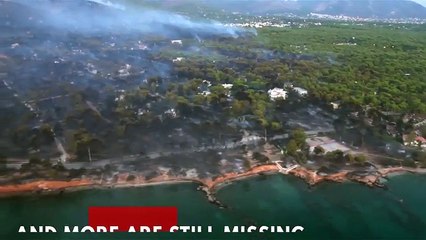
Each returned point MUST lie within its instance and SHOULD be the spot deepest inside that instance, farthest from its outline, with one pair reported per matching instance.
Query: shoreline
(44, 187)
(209, 186)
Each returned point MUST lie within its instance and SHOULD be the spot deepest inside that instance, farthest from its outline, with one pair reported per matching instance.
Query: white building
(301, 91)
(171, 113)
(328, 144)
(178, 59)
(227, 85)
(277, 93)
(205, 93)
(124, 70)
(335, 105)
(178, 42)
(207, 82)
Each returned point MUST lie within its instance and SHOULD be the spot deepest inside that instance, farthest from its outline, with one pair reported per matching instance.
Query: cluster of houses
(414, 140)
(280, 93)
(259, 24)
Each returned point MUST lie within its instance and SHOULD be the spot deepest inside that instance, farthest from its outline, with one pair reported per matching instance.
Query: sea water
(326, 211)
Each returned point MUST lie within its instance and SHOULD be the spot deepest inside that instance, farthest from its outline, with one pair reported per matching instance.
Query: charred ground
(153, 92)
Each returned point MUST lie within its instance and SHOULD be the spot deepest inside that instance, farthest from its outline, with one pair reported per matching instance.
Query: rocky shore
(209, 186)
(43, 186)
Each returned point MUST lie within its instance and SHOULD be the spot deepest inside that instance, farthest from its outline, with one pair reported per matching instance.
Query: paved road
(47, 98)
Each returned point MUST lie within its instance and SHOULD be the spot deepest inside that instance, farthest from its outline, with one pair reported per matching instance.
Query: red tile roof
(420, 139)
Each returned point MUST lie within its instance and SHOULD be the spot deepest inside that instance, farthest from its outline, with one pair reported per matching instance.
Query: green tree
(83, 141)
(199, 99)
(46, 134)
(411, 137)
(300, 157)
(276, 126)
(292, 148)
(131, 178)
(183, 106)
(247, 164)
(420, 156)
(337, 156)
(299, 136)
(423, 130)
(318, 150)
(239, 107)
(360, 158)
(349, 158)
(3, 161)
(35, 160)
(260, 157)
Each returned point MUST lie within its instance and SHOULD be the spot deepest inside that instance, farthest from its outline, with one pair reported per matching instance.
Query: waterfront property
(328, 144)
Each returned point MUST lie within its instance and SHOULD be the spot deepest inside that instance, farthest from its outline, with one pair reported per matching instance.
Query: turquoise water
(327, 211)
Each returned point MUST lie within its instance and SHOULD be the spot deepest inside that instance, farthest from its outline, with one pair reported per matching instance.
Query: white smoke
(94, 16)
(109, 4)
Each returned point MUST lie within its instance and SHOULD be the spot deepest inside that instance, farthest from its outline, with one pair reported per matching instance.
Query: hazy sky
(423, 2)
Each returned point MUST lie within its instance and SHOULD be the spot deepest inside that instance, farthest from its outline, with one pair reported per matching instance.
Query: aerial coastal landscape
(115, 95)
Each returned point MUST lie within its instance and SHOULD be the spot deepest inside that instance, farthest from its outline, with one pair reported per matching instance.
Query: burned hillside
(120, 83)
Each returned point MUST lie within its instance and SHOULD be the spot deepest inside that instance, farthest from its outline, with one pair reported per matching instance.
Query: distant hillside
(352, 8)
(99, 17)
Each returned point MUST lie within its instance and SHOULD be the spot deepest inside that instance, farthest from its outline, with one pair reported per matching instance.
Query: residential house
(178, 59)
(176, 41)
(277, 93)
(301, 91)
(328, 144)
(413, 140)
(335, 105)
(421, 141)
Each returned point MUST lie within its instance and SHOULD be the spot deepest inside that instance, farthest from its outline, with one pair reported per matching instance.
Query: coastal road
(248, 140)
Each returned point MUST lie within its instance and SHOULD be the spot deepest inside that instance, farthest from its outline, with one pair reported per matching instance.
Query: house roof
(420, 139)
(327, 144)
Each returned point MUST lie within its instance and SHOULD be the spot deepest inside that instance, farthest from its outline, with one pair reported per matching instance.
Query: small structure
(414, 140)
(277, 93)
(409, 139)
(227, 85)
(285, 170)
(142, 46)
(328, 144)
(178, 59)
(171, 113)
(119, 98)
(301, 91)
(421, 141)
(207, 83)
(335, 105)
(420, 123)
(142, 111)
(176, 41)
(205, 93)
(250, 139)
(392, 129)
(124, 71)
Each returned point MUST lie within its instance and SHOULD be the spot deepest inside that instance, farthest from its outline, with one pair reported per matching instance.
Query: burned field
(179, 95)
